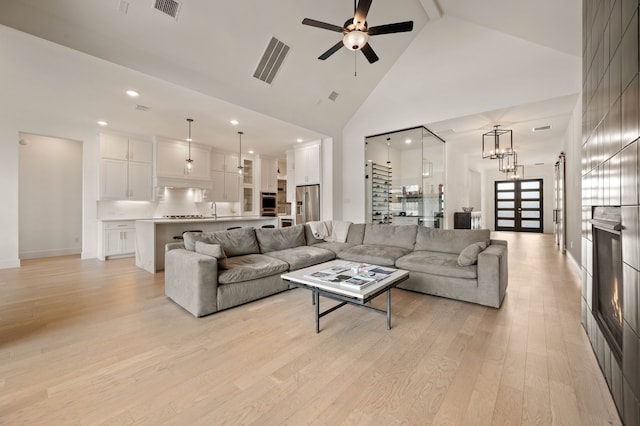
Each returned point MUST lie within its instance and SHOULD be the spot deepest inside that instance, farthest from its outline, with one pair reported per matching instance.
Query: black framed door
(519, 205)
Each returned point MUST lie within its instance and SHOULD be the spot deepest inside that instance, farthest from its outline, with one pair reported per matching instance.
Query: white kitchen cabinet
(117, 147)
(140, 181)
(225, 187)
(224, 162)
(291, 178)
(171, 160)
(119, 238)
(114, 182)
(268, 175)
(114, 147)
(125, 168)
(307, 165)
(125, 180)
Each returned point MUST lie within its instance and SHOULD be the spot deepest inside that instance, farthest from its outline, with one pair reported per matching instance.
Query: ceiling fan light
(355, 40)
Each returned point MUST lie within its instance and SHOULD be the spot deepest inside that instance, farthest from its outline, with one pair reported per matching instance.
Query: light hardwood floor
(90, 342)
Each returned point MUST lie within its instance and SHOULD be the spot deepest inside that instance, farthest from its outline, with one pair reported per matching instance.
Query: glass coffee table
(348, 282)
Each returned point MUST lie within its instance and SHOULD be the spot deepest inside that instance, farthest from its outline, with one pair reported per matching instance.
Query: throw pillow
(213, 250)
(469, 255)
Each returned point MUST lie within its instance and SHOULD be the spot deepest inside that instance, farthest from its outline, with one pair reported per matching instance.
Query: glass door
(518, 205)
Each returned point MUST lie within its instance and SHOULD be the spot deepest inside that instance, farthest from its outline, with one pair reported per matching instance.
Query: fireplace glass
(607, 287)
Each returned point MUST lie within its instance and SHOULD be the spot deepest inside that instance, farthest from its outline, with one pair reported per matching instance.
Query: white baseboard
(88, 255)
(6, 264)
(48, 253)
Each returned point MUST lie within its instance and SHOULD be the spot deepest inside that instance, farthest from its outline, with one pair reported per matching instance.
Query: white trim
(49, 253)
(6, 264)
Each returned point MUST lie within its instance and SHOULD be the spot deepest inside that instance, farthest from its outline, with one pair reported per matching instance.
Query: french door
(518, 205)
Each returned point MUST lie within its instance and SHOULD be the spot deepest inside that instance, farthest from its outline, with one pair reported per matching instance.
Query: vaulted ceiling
(207, 56)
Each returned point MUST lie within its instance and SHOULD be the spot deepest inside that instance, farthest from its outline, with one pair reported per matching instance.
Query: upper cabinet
(125, 168)
(224, 162)
(268, 175)
(307, 164)
(171, 160)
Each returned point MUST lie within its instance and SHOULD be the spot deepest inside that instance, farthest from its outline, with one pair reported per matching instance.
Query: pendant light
(189, 161)
(240, 154)
(497, 143)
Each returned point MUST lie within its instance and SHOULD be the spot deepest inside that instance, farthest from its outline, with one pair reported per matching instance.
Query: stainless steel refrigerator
(307, 203)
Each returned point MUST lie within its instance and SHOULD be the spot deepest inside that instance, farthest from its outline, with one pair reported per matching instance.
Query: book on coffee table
(358, 282)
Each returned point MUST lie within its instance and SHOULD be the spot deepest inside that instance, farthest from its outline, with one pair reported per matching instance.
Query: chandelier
(497, 144)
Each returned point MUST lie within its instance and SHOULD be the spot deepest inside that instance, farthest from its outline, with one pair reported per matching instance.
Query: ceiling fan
(356, 32)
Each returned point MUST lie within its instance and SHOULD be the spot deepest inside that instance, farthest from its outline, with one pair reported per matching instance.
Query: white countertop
(208, 219)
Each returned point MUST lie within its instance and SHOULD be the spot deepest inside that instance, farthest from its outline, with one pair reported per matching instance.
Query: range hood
(169, 182)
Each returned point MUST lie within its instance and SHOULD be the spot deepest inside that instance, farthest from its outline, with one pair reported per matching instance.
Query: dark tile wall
(611, 162)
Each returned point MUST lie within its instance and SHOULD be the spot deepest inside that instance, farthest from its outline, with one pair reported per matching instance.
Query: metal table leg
(389, 309)
(316, 295)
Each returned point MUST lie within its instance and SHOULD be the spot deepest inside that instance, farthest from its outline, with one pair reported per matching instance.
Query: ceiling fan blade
(331, 51)
(323, 25)
(361, 13)
(369, 53)
(398, 27)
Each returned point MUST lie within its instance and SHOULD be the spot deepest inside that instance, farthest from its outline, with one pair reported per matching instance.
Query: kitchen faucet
(214, 209)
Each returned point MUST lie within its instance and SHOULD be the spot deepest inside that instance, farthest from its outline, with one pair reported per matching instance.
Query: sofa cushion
(213, 250)
(303, 256)
(236, 242)
(435, 263)
(403, 236)
(334, 247)
(449, 240)
(356, 233)
(374, 254)
(250, 267)
(308, 235)
(469, 255)
(280, 238)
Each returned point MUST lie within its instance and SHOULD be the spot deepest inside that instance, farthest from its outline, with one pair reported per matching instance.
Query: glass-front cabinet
(404, 174)
(247, 185)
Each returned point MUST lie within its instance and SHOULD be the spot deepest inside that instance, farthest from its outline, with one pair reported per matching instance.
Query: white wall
(573, 212)
(50, 196)
(456, 190)
(26, 106)
(457, 78)
(544, 172)
(474, 184)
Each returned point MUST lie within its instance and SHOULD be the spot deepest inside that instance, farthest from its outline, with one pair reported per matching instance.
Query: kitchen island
(153, 234)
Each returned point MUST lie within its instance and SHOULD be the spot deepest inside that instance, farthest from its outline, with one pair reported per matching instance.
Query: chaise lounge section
(212, 271)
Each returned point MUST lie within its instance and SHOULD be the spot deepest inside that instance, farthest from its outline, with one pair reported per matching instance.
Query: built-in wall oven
(268, 203)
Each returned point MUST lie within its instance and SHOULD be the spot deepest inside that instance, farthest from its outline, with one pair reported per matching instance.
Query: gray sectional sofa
(212, 271)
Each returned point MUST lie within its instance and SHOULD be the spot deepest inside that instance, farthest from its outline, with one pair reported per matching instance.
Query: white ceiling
(201, 64)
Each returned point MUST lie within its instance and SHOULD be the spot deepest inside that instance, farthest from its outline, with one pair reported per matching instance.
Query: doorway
(50, 196)
(519, 205)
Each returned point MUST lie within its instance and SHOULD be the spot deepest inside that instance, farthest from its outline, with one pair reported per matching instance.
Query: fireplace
(607, 276)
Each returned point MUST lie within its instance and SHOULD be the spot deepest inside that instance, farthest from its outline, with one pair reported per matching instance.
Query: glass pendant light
(189, 161)
(240, 154)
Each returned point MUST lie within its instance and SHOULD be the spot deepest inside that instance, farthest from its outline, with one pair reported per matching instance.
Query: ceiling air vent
(168, 7)
(539, 129)
(142, 108)
(271, 60)
(333, 96)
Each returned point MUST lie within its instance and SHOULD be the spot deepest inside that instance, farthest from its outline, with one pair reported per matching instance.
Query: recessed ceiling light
(133, 93)
(408, 141)
(250, 151)
(235, 122)
(102, 123)
(299, 140)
